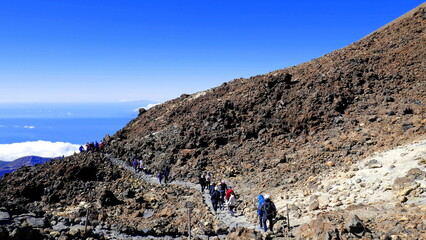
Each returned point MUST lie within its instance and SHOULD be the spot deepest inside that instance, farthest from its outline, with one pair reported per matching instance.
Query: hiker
(141, 165)
(96, 146)
(101, 145)
(160, 176)
(215, 198)
(87, 147)
(231, 204)
(81, 148)
(166, 173)
(222, 197)
(135, 164)
(260, 201)
(228, 193)
(202, 182)
(211, 189)
(269, 212)
(223, 185)
(208, 178)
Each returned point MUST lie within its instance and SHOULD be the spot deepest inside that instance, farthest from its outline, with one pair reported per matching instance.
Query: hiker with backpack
(166, 173)
(269, 212)
(215, 198)
(135, 164)
(160, 176)
(211, 189)
(222, 197)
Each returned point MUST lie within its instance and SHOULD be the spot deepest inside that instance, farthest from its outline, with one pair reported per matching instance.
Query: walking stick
(288, 220)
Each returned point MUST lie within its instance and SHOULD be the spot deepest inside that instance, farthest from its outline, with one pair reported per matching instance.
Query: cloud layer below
(10, 152)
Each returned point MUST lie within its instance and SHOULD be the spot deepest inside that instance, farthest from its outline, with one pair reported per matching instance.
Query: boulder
(108, 198)
(37, 222)
(403, 186)
(244, 234)
(373, 163)
(26, 233)
(355, 225)
(4, 234)
(4, 218)
(60, 227)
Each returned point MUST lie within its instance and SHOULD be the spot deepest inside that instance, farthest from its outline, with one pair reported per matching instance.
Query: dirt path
(236, 221)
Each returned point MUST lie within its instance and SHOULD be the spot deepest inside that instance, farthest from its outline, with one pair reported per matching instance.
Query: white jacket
(231, 201)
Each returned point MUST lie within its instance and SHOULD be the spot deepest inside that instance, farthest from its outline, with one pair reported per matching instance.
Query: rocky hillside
(340, 107)
(301, 134)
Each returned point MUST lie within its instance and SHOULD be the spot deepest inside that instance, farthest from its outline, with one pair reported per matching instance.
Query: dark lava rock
(109, 199)
(4, 234)
(356, 226)
(26, 233)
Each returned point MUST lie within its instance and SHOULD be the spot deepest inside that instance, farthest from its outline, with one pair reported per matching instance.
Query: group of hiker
(163, 174)
(92, 146)
(221, 195)
(138, 165)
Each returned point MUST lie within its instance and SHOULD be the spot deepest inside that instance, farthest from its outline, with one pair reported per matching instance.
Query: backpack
(215, 196)
(269, 209)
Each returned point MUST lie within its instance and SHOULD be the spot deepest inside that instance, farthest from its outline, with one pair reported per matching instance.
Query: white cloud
(147, 107)
(29, 127)
(10, 152)
(152, 105)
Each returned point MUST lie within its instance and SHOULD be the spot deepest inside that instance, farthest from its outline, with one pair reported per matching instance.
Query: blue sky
(110, 51)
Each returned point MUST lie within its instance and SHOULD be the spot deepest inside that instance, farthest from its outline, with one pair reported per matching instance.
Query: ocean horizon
(69, 123)
(72, 130)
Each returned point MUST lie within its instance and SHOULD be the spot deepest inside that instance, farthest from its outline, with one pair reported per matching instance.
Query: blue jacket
(259, 204)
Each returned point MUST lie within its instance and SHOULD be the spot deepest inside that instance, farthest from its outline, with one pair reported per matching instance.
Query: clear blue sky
(103, 51)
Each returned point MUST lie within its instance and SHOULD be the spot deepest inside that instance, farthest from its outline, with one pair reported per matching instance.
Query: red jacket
(228, 193)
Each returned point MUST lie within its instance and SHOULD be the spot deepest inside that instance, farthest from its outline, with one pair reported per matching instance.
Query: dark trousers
(214, 203)
(271, 223)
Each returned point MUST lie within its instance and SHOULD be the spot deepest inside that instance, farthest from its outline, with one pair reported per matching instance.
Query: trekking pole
(189, 224)
(288, 220)
(189, 206)
(87, 220)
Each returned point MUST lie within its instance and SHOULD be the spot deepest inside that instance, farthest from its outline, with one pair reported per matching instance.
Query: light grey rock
(5, 217)
(36, 222)
(373, 163)
(60, 227)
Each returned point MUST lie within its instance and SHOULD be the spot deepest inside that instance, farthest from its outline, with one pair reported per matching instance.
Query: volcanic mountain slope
(340, 107)
(279, 132)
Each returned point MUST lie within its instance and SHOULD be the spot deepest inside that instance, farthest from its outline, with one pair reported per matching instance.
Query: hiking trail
(233, 222)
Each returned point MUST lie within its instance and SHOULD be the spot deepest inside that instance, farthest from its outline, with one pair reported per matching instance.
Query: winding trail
(233, 222)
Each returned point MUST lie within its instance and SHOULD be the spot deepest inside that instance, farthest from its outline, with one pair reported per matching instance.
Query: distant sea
(75, 123)
(73, 130)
